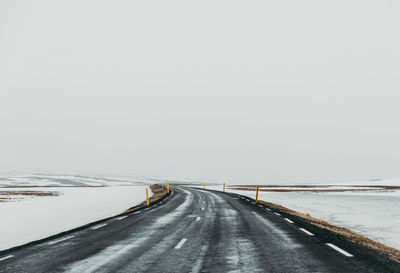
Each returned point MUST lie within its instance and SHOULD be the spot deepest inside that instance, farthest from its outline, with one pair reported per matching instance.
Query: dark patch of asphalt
(191, 230)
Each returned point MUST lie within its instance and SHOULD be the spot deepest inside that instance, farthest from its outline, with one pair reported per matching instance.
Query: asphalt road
(191, 231)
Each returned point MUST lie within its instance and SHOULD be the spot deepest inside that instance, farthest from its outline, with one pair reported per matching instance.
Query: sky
(253, 91)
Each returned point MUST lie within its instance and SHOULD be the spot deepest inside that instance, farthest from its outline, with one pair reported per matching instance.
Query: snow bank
(39, 217)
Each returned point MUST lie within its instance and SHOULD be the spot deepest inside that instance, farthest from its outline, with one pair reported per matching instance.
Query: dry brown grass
(25, 193)
(305, 190)
(312, 188)
(159, 191)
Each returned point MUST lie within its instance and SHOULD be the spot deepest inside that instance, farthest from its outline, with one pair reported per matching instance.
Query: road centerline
(181, 243)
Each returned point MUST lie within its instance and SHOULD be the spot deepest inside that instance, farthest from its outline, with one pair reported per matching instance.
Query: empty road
(191, 231)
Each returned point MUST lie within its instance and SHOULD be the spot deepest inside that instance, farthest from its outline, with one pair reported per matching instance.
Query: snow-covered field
(62, 180)
(29, 218)
(374, 214)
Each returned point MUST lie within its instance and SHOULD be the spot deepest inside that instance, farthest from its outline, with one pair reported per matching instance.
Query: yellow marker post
(167, 188)
(257, 195)
(204, 185)
(224, 187)
(147, 197)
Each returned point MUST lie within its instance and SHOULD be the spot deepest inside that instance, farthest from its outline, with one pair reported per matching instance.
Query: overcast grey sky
(247, 91)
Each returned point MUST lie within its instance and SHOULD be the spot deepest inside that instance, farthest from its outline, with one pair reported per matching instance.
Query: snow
(62, 180)
(35, 218)
(373, 182)
(320, 188)
(374, 214)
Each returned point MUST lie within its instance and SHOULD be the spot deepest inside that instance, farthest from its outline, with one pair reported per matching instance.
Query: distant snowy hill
(61, 180)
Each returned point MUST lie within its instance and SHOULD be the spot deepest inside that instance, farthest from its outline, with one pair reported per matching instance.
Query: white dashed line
(202, 208)
(147, 209)
(268, 209)
(137, 212)
(338, 249)
(180, 244)
(277, 213)
(290, 221)
(99, 226)
(60, 240)
(198, 219)
(122, 217)
(260, 206)
(6, 257)
(306, 231)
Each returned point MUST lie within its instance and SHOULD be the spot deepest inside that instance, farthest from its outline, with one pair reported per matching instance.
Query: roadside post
(147, 196)
(224, 188)
(257, 195)
(167, 188)
(204, 185)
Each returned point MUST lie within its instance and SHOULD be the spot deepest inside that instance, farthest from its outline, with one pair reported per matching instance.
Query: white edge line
(122, 217)
(180, 244)
(99, 226)
(338, 249)
(290, 221)
(62, 239)
(277, 213)
(306, 231)
(6, 257)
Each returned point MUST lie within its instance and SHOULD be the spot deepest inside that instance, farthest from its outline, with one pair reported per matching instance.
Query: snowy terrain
(28, 218)
(61, 180)
(374, 214)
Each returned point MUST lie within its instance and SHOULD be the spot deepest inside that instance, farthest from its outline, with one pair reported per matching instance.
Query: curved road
(191, 231)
